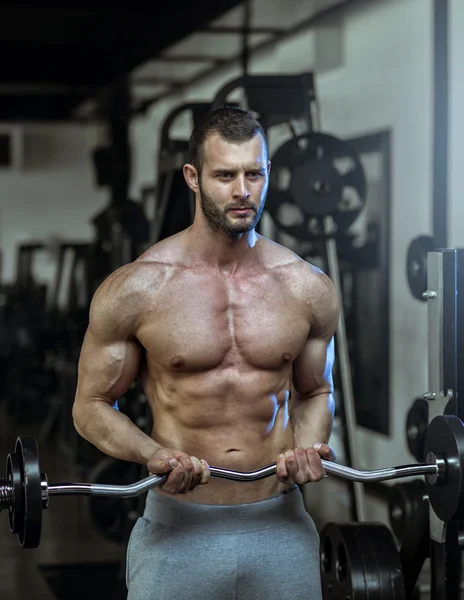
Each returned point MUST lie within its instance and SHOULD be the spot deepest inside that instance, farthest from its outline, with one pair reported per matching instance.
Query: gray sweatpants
(267, 550)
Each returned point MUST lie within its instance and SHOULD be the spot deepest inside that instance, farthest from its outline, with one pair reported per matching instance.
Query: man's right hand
(185, 472)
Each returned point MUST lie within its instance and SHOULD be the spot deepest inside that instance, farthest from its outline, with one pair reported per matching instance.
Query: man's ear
(191, 177)
(268, 167)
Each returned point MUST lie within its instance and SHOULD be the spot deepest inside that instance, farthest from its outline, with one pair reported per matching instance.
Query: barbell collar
(6, 494)
(135, 489)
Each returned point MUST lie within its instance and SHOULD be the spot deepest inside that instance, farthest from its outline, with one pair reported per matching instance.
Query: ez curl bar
(25, 492)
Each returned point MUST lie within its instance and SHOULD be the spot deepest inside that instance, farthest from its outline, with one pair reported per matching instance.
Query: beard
(219, 218)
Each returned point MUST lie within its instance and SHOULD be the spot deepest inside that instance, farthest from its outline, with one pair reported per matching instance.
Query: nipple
(177, 361)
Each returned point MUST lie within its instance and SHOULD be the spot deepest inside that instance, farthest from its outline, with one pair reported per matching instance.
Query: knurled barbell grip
(331, 468)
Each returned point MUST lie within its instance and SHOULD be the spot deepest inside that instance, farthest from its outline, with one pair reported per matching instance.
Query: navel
(177, 361)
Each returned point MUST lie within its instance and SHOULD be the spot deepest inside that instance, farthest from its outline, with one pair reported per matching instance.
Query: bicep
(107, 368)
(312, 370)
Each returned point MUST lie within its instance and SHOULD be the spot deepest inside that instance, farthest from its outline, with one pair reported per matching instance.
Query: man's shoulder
(276, 256)
(293, 266)
(132, 278)
(146, 273)
(127, 293)
(307, 282)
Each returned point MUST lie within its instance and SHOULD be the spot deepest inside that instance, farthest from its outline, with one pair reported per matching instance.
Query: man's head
(229, 169)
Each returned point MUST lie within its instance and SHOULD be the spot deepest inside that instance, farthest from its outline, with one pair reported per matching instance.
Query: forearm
(312, 419)
(113, 432)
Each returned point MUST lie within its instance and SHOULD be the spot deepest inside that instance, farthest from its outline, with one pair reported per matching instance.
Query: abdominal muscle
(239, 431)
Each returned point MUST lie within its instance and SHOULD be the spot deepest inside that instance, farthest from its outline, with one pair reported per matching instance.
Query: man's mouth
(241, 210)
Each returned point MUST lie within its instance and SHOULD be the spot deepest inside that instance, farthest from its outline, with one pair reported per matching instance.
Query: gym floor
(68, 537)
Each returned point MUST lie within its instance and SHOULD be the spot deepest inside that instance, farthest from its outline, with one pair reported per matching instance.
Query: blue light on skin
(276, 408)
(116, 406)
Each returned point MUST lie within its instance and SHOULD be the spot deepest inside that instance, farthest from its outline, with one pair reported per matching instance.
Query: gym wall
(378, 77)
(456, 129)
(53, 193)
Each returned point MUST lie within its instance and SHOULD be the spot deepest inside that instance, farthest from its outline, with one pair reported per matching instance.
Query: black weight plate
(416, 264)
(403, 500)
(30, 528)
(15, 480)
(317, 188)
(310, 175)
(445, 438)
(417, 421)
(380, 563)
(360, 561)
(110, 515)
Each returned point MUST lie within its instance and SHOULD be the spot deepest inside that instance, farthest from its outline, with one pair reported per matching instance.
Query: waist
(220, 519)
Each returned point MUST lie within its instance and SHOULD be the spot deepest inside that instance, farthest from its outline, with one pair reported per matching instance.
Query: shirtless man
(231, 336)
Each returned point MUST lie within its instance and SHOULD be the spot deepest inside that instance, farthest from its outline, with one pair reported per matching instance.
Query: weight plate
(416, 427)
(445, 438)
(312, 176)
(15, 480)
(30, 527)
(416, 264)
(360, 561)
(403, 500)
(111, 514)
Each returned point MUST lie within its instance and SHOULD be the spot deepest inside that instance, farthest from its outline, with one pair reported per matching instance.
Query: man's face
(233, 183)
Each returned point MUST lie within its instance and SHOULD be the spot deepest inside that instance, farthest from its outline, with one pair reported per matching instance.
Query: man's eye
(254, 175)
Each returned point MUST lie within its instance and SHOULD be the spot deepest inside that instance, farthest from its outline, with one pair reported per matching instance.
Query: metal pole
(442, 266)
(245, 58)
(345, 370)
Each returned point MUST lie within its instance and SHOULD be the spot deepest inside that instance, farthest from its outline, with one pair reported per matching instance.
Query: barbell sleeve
(100, 489)
(331, 468)
(379, 474)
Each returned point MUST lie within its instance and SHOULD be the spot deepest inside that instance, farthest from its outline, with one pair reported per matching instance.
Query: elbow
(78, 418)
(78, 430)
(79, 423)
(75, 419)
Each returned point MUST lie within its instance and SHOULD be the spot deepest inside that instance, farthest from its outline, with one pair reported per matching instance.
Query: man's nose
(240, 189)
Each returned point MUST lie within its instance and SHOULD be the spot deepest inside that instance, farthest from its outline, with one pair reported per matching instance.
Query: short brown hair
(231, 122)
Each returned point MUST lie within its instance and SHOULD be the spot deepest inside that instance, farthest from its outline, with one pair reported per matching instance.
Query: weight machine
(174, 208)
(357, 559)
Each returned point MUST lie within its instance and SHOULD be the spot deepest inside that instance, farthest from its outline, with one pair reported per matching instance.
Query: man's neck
(216, 249)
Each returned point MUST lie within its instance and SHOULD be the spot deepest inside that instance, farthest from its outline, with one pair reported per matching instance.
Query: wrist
(149, 451)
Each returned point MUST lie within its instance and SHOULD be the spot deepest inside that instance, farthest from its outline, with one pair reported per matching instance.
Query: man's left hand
(302, 465)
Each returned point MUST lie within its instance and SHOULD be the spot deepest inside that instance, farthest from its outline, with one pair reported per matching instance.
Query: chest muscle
(206, 324)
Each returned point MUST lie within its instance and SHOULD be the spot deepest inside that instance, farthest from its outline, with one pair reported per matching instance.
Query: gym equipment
(416, 265)
(25, 492)
(403, 500)
(444, 439)
(26, 382)
(122, 228)
(416, 427)
(430, 534)
(275, 98)
(112, 515)
(315, 175)
(442, 470)
(360, 561)
(174, 208)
